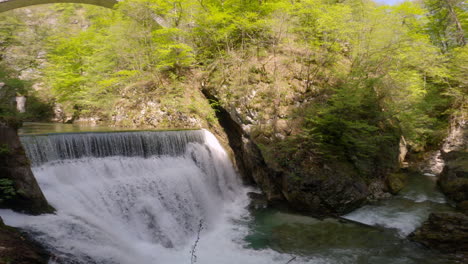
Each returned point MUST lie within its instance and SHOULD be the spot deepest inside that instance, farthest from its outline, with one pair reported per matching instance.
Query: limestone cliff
(319, 188)
(453, 179)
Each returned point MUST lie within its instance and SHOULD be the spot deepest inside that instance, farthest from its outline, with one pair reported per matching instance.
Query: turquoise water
(374, 234)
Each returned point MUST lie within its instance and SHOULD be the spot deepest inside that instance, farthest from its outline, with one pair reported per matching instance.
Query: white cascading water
(138, 198)
(406, 211)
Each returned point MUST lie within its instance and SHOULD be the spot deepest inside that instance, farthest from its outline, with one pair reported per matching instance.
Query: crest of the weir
(50, 147)
(6, 5)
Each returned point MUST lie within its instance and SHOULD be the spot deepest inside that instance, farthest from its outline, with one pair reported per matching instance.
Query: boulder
(257, 201)
(322, 191)
(446, 232)
(396, 182)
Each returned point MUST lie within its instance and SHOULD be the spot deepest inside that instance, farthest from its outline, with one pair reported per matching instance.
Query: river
(174, 197)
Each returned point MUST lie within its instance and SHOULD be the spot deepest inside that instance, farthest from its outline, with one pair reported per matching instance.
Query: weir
(49, 147)
(139, 197)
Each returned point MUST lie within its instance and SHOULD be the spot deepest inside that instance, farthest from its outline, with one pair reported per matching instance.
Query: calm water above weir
(30, 128)
(139, 197)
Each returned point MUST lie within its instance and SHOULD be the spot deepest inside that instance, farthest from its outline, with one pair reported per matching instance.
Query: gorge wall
(20, 190)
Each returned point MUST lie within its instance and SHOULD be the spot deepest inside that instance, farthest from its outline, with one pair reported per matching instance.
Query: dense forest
(320, 77)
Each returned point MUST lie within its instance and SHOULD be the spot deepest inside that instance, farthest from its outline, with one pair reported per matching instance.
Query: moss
(4, 150)
(456, 188)
(396, 182)
(11, 121)
(7, 190)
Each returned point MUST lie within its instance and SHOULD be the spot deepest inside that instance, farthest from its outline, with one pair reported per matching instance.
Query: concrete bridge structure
(6, 5)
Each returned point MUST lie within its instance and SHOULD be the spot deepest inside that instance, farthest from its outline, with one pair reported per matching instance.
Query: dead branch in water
(291, 260)
(193, 256)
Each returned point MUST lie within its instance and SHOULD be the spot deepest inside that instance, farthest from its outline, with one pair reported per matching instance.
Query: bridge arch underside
(6, 5)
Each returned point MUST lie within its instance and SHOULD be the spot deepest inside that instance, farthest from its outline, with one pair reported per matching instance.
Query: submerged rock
(446, 232)
(20, 190)
(257, 201)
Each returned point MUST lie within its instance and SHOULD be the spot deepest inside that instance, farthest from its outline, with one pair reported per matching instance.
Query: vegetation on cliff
(313, 82)
(389, 62)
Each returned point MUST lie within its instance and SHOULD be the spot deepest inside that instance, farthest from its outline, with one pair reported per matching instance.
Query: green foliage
(369, 70)
(7, 190)
(448, 23)
(4, 150)
(221, 28)
(349, 125)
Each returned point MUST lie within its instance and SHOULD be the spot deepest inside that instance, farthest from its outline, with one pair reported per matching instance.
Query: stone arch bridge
(6, 5)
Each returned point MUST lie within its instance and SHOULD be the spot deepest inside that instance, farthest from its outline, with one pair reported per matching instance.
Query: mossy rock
(456, 189)
(454, 177)
(446, 232)
(396, 182)
(10, 121)
(463, 207)
(17, 248)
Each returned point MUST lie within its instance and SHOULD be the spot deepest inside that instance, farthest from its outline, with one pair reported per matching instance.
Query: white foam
(403, 221)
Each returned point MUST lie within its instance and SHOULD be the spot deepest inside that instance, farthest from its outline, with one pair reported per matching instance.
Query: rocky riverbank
(453, 179)
(448, 232)
(16, 248)
(18, 191)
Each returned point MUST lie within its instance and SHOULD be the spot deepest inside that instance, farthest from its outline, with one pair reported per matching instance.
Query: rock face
(331, 188)
(248, 157)
(446, 232)
(454, 177)
(457, 139)
(15, 248)
(21, 104)
(20, 190)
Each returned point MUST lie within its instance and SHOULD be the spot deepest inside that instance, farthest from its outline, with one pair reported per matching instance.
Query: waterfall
(138, 197)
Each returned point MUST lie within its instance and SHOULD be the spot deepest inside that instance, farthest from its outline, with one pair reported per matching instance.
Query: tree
(448, 22)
